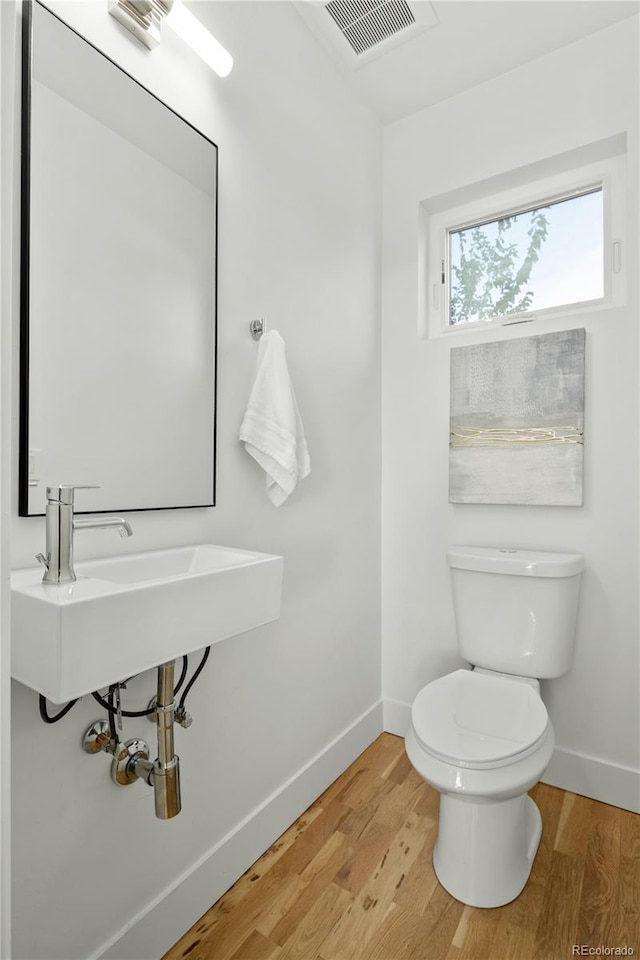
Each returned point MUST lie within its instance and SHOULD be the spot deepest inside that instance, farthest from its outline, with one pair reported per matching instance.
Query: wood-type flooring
(352, 879)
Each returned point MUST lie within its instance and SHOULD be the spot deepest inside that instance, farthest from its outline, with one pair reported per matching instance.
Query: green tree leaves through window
(491, 265)
(533, 259)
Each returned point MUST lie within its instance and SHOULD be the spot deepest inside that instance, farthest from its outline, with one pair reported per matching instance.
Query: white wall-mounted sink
(127, 614)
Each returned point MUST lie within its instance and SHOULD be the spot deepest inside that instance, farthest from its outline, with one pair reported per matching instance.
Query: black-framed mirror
(118, 284)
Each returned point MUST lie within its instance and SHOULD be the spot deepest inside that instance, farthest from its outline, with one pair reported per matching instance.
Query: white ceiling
(473, 41)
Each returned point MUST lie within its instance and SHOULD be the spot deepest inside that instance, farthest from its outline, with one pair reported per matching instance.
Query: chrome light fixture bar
(143, 18)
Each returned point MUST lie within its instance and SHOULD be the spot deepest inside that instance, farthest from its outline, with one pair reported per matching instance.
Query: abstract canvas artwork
(517, 421)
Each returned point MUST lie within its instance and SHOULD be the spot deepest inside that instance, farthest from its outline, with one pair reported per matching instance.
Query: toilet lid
(471, 719)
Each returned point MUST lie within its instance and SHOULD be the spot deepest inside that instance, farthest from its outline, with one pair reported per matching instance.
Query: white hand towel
(272, 430)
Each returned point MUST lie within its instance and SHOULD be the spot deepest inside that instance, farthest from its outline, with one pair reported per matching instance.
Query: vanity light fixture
(143, 18)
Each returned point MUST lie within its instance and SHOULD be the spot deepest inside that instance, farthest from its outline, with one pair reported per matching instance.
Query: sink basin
(165, 564)
(130, 613)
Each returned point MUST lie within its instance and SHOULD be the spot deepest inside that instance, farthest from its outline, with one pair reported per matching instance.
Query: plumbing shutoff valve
(130, 762)
(183, 718)
(125, 766)
(98, 738)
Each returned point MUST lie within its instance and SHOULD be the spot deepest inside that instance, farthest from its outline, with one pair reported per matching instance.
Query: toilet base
(485, 849)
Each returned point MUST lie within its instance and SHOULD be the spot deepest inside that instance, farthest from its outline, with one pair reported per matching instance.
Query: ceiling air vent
(366, 23)
(361, 30)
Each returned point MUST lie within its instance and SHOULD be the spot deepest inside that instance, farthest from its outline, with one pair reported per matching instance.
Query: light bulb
(199, 39)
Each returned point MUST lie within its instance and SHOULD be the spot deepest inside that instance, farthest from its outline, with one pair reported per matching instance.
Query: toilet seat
(478, 721)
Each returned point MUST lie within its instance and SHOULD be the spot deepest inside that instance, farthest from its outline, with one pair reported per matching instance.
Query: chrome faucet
(60, 524)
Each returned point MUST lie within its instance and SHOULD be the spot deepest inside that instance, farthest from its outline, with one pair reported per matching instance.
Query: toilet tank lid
(521, 563)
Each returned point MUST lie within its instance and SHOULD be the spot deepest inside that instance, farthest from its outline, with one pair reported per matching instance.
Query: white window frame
(608, 174)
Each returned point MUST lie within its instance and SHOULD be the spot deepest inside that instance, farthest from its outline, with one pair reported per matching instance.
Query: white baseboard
(163, 921)
(396, 716)
(576, 772)
(595, 778)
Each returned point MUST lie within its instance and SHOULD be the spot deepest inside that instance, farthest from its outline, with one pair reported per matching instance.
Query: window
(530, 260)
(551, 246)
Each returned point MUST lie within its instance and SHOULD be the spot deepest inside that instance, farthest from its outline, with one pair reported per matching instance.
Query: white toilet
(482, 737)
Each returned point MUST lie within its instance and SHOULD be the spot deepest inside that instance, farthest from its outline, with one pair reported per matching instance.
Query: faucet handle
(63, 492)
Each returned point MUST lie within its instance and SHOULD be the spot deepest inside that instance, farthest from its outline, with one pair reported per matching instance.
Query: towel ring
(257, 328)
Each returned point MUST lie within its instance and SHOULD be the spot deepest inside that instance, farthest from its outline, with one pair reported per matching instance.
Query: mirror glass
(118, 297)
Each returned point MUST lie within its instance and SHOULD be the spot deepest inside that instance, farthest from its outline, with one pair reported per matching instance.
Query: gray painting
(517, 421)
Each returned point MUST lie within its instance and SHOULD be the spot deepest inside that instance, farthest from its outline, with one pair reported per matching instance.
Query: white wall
(583, 93)
(9, 113)
(299, 228)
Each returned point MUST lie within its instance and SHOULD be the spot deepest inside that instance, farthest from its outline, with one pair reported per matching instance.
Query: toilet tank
(516, 610)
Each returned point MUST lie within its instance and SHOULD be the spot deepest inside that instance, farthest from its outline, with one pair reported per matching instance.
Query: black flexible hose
(195, 676)
(112, 720)
(109, 706)
(49, 719)
(183, 673)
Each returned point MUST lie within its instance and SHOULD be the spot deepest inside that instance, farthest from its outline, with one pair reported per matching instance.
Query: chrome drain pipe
(166, 769)
(131, 759)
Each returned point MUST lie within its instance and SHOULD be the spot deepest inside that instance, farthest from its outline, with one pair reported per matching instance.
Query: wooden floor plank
(597, 919)
(231, 920)
(396, 805)
(512, 942)
(578, 817)
(476, 932)
(374, 763)
(395, 936)
(356, 821)
(357, 926)
(313, 929)
(256, 947)
(364, 855)
(245, 884)
(400, 769)
(437, 927)
(558, 923)
(420, 882)
(626, 906)
(353, 879)
(628, 891)
(291, 891)
(316, 876)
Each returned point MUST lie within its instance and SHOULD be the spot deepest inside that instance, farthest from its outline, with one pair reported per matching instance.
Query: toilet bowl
(482, 736)
(482, 740)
